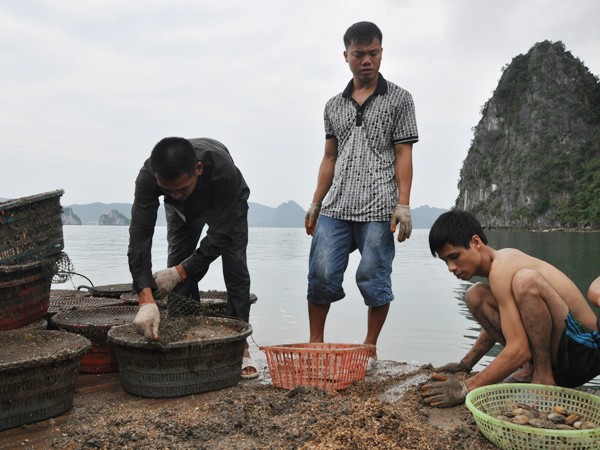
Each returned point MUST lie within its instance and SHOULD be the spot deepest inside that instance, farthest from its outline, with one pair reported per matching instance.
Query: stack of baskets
(37, 366)
(31, 242)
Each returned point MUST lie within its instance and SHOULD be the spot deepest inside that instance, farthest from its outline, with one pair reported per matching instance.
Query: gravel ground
(383, 411)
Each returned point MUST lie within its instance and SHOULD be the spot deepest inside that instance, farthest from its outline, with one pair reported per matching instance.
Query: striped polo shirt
(364, 185)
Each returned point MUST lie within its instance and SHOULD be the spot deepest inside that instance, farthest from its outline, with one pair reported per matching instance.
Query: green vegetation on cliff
(534, 162)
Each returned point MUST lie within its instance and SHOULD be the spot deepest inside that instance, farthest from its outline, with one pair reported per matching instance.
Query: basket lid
(214, 297)
(94, 318)
(26, 267)
(30, 199)
(19, 349)
(68, 300)
(109, 290)
(183, 332)
(41, 324)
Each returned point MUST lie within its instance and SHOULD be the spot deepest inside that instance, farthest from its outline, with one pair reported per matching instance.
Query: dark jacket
(219, 194)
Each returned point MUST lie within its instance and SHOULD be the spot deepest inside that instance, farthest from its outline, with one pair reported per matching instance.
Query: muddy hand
(401, 216)
(446, 391)
(312, 215)
(454, 367)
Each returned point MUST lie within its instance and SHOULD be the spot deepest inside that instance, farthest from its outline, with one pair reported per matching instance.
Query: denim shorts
(332, 243)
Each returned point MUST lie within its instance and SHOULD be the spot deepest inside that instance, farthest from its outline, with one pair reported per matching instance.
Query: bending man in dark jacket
(201, 186)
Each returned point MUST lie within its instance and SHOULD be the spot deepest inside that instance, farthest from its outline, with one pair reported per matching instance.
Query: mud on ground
(383, 411)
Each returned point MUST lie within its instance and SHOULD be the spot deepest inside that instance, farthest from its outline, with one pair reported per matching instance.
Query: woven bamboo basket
(31, 228)
(94, 324)
(178, 365)
(38, 369)
(71, 300)
(24, 293)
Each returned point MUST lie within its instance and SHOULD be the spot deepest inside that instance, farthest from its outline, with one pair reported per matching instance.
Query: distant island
(286, 215)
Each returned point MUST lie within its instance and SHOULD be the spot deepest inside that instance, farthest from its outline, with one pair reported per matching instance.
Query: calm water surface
(428, 321)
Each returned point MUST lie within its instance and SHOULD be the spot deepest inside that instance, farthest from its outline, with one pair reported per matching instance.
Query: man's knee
(594, 292)
(526, 282)
(476, 295)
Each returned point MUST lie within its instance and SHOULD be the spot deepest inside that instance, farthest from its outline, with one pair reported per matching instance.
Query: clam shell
(587, 425)
(520, 420)
(572, 418)
(559, 409)
(539, 422)
(556, 418)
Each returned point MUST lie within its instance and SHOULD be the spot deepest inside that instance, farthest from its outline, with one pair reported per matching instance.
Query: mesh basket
(109, 290)
(24, 293)
(31, 228)
(70, 300)
(325, 365)
(194, 354)
(487, 402)
(211, 303)
(94, 323)
(38, 370)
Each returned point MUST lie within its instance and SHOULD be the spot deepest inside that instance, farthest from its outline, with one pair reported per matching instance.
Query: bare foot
(523, 375)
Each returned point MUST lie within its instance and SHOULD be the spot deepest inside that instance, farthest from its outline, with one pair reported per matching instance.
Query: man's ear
(199, 168)
(476, 242)
(346, 55)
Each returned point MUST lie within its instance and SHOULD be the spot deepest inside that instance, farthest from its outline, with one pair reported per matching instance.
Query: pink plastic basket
(324, 365)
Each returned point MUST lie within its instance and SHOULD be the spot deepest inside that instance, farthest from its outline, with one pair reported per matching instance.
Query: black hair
(456, 228)
(362, 33)
(173, 157)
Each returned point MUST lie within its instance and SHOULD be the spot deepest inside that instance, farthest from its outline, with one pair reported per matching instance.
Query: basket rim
(11, 268)
(22, 201)
(81, 345)
(478, 414)
(325, 347)
(114, 338)
(74, 319)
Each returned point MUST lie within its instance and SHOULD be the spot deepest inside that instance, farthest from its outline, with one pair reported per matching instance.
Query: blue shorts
(332, 243)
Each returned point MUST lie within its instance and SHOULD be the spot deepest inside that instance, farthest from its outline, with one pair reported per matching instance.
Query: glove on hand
(312, 215)
(166, 280)
(454, 367)
(147, 320)
(401, 215)
(449, 391)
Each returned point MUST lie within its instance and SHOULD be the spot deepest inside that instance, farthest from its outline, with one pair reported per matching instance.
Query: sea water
(428, 321)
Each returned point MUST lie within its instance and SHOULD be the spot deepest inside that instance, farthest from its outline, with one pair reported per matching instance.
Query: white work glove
(401, 215)
(312, 215)
(448, 391)
(147, 320)
(166, 280)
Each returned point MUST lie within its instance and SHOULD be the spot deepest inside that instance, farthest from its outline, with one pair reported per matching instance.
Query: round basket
(94, 323)
(487, 402)
(24, 293)
(69, 300)
(109, 290)
(329, 366)
(31, 228)
(38, 370)
(194, 354)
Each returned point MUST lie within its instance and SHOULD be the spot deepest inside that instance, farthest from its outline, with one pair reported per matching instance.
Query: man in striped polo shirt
(363, 186)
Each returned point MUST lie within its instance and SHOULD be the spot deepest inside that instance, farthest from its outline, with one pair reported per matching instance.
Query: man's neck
(362, 90)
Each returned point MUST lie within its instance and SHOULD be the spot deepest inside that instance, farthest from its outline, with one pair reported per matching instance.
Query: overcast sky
(88, 87)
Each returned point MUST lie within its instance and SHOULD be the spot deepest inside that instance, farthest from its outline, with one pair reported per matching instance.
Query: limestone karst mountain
(534, 162)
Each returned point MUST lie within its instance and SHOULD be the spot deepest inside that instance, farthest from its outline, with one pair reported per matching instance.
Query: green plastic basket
(487, 402)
